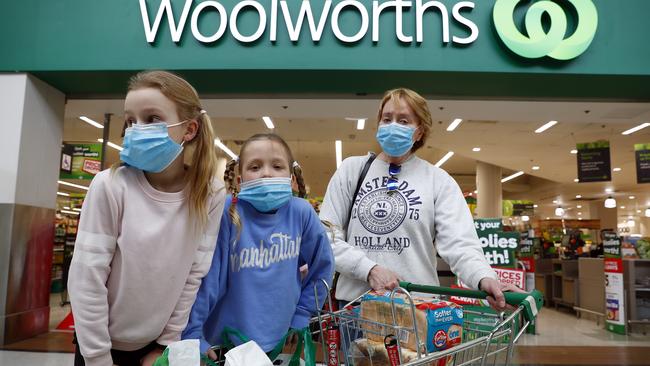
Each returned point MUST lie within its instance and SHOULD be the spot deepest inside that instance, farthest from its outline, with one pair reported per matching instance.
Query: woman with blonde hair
(148, 228)
(393, 214)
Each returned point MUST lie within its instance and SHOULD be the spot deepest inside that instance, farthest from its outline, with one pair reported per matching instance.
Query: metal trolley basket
(489, 339)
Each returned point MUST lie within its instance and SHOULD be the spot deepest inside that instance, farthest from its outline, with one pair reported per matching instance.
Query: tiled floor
(562, 339)
(14, 358)
(561, 328)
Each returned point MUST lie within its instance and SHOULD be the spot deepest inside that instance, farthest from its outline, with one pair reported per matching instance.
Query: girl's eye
(129, 122)
(154, 119)
(404, 122)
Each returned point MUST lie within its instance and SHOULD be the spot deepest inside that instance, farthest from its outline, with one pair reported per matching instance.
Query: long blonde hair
(230, 176)
(203, 158)
(419, 106)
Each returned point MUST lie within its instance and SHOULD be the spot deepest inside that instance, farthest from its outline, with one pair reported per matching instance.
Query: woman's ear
(417, 136)
(191, 131)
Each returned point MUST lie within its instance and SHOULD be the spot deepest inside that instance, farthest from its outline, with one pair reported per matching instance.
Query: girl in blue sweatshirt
(266, 235)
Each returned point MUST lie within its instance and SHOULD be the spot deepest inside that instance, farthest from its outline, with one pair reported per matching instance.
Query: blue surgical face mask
(266, 194)
(395, 139)
(149, 147)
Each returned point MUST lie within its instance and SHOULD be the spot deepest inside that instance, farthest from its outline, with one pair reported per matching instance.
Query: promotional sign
(86, 161)
(498, 246)
(614, 300)
(517, 208)
(642, 154)
(594, 164)
(526, 257)
(512, 276)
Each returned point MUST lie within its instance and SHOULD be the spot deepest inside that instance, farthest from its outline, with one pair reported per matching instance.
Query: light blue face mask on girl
(395, 139)
(149, 147)
(266, 194)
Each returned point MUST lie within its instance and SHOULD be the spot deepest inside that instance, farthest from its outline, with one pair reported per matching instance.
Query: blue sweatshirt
(254, 282)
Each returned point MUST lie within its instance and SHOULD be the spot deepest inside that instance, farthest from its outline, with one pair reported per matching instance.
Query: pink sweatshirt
(136, 266)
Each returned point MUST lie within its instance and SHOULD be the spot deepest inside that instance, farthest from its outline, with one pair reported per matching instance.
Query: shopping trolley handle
(531, 301)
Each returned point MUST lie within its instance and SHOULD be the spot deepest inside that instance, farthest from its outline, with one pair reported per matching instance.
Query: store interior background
(503, 130)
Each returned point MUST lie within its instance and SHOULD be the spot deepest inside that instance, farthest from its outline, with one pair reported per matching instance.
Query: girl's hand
(211, 354)
(151, 357)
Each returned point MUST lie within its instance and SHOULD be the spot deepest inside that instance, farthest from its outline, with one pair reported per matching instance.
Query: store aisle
(561, 328)
(13, 358)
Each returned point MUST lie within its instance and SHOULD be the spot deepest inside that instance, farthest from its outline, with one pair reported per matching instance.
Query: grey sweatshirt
(403, 230)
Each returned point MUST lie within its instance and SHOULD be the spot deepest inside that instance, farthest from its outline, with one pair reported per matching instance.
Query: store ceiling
(504, 130)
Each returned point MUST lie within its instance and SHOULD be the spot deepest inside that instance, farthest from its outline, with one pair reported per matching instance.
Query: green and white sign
(86, 161)
(614, 290)
(538, 42)
(642, 155)
(594, 162)
(498, 246)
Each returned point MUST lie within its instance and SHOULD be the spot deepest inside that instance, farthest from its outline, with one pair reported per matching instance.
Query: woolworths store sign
(538, 38)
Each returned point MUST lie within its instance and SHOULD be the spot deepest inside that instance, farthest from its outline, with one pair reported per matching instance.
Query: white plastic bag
(247, 354)
(184, 353)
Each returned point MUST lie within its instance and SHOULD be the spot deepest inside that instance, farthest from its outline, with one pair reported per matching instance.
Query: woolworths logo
(539, 42)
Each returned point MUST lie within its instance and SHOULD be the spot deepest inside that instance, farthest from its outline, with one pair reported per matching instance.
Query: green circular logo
(540, 43)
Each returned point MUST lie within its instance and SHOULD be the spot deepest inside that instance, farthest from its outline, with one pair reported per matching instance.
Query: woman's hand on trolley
(381, 278)
(495, 289)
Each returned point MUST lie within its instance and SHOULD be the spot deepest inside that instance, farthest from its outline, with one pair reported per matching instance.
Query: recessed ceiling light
(635, 129)
(511, 177)
(631, 197)
(70, 212)
(454, 124)
(91, 122)
(555, 201)
(225, 148)
(616, 169)
(535, 206)
(72, 185)
(579, 213)
(361, 123)
(576, 180)
(623, 207)
(535, 167)
(579, 218)
(578, 196)
(638, 211)
(548, 218)
(444, 159)
(579, 206)
(574, 151)
(476, 191)
(476, 149)
(268, 122)
(608, 190)
(114, 146)
(546, 126)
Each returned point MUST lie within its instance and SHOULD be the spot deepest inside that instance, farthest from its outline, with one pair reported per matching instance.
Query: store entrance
(500, 133)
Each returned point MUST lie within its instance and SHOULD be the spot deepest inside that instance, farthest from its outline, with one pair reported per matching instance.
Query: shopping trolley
(488, 337)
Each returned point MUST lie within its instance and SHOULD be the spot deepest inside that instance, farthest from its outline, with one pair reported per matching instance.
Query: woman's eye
(404, 122)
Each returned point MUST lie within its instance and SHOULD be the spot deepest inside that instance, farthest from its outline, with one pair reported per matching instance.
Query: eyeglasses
(393, 171)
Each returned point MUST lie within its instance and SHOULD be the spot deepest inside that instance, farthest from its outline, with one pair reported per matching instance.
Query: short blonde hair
(419, 106)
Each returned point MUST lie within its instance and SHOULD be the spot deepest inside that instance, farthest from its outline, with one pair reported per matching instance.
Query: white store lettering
(294, 23)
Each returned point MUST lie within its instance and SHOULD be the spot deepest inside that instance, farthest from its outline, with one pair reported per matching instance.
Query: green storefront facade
(446, 48)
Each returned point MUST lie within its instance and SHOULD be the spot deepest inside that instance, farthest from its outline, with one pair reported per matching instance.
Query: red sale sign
(516, 277)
